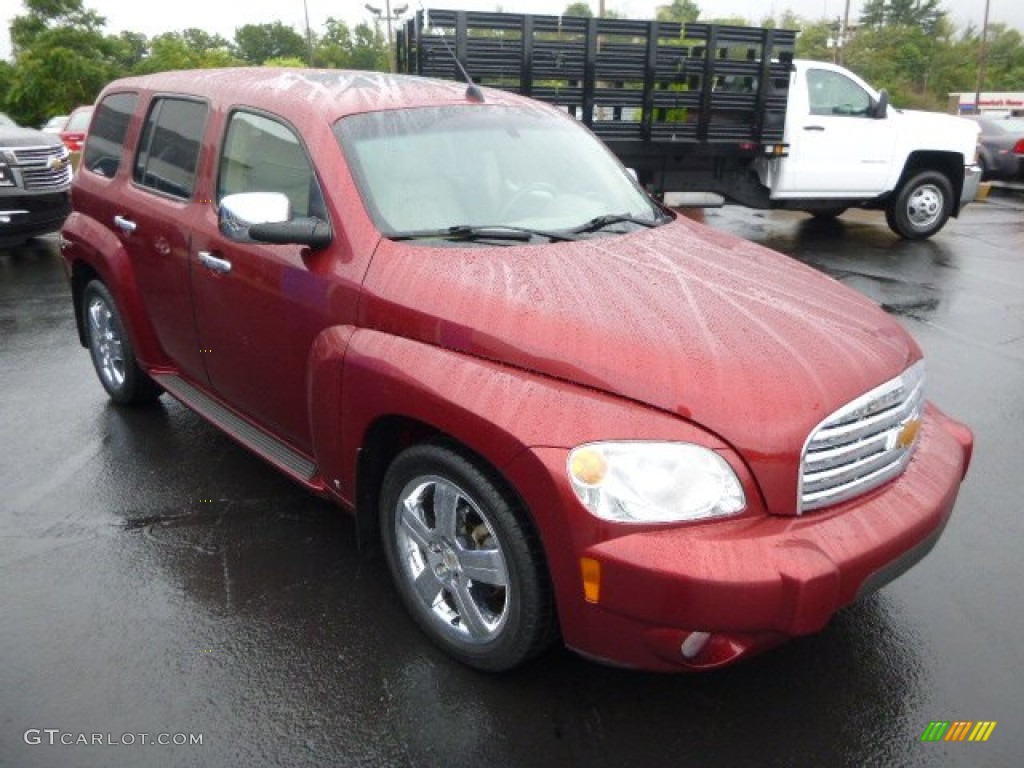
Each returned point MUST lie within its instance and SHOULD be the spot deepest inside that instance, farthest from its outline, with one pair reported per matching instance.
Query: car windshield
(435, 169)
(1012, 124)
(6, 122)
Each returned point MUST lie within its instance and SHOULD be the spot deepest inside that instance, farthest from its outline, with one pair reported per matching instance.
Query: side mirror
(882, 106)
(237, 213)
(265, 217)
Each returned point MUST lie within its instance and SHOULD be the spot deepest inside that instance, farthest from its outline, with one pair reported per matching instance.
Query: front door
(836, 147)
(260, 307)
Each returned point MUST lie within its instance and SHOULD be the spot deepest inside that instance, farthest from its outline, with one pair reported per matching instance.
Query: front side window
(169, 147)
(263, 155)
(830, 93)
(105, 143)
(433, 168)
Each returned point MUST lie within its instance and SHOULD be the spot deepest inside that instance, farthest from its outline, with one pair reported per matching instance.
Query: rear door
(151, 215)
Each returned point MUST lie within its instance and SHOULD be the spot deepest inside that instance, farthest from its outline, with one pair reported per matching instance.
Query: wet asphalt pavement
(155, 578)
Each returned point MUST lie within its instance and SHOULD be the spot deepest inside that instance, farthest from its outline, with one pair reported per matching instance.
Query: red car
(561, 409)
(74, 130)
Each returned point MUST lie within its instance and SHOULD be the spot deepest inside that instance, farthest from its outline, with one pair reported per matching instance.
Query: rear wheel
(111, 350)
(465, 559)
(921, 207)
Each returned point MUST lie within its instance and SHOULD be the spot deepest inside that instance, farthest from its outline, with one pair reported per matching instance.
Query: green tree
(334, 46)
(369, 49)
(255, 43)
(180, 50)
(683, 11)
(925, 14)
(579, 9)
(130, 48)
(203, 42)
(62, 59)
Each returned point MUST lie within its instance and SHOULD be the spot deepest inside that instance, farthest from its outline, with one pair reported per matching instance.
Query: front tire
(921, 207)
(465, 559)
(111, 350)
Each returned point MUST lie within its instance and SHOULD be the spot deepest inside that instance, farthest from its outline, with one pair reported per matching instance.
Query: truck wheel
(464, 559)
(921, 207)
(112, 353)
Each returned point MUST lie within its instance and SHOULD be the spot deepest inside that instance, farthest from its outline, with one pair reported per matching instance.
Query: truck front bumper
(972, 180)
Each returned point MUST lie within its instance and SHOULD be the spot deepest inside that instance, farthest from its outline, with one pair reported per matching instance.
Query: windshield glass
(430, 169)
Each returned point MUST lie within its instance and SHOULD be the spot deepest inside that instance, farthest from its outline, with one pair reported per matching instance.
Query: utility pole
(982, 55)
(309, 35)
(844, 33)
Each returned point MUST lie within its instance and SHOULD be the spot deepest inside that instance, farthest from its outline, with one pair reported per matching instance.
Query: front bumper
(26, 215)
(702, 596)
(972, 180)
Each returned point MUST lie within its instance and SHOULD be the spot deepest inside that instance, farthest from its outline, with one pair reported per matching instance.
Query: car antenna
(473, 92)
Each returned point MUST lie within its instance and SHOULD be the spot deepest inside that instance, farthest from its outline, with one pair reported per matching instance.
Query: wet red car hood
(746, 342)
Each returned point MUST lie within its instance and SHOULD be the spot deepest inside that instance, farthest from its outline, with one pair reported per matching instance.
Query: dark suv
(35, 179)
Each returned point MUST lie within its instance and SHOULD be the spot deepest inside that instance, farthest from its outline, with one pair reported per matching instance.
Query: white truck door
(837, 148)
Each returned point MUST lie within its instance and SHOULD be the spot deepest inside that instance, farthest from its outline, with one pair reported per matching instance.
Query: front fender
(522, 424)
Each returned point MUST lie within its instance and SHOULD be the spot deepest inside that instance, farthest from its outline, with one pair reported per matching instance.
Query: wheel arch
(949, 164)
(94, 252)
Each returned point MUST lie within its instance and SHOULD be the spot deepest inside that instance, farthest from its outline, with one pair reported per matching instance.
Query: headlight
(636, 482)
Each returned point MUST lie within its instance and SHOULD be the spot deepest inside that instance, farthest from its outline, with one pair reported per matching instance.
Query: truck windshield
(436, 169)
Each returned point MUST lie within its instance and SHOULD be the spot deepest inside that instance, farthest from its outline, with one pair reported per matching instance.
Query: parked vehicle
(560, 407)
(35, 182)
(717, 109)
(74, 131)
(1001, 152)
(55, 124)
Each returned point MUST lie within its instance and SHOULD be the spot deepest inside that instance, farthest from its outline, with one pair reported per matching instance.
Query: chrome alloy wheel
(107, 344)
(452, 559)
(925, 206)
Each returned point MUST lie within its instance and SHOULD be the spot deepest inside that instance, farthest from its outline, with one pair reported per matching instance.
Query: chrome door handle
(814, 127)
(125, 224)
(207, 259)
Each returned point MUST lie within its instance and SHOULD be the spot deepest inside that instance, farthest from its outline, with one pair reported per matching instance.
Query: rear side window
(105, 143)
(263, 155)
(169, 146)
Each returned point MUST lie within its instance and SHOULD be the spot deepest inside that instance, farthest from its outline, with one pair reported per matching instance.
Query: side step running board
(235, 426)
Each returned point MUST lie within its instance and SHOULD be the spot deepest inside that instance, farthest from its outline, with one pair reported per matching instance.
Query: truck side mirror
(882, 105)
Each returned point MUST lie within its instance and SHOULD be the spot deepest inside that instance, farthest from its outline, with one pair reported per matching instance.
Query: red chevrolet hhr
(562, 410)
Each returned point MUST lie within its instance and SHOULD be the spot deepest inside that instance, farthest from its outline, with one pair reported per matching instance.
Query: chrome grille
(43, 168)
(47, 178)
(865, 443)
(37, 155)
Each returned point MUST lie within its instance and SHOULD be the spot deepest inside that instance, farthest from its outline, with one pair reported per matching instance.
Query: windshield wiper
(490, 232)
(600, 222)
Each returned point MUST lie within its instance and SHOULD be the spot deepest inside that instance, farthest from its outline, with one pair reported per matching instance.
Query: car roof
(331, 93)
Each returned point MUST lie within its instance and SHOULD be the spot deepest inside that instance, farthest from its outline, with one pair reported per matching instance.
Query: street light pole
(388, 18)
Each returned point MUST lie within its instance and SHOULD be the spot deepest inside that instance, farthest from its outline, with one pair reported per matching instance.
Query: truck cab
(848, 146)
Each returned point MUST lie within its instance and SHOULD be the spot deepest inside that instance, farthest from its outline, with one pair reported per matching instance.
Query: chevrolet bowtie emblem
(57, 163)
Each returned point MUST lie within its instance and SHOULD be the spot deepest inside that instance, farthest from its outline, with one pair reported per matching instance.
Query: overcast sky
(152, 18)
